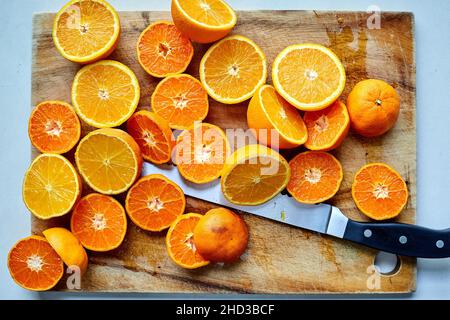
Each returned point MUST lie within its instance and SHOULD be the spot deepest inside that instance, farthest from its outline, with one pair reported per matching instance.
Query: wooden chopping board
(280, 259)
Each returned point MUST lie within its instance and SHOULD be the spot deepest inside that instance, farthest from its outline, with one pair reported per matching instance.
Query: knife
(397, 238)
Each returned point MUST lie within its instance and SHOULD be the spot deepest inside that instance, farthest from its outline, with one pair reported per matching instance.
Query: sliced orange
(99, 222)
(109, 160)
(154, 202)
(105, 94)
(274, 121)
(309, 76)
(181, 100)
(180, 242)
(379, 191)
(85, 31)
(153, 135)
(328, 127)
(253, 175)
(201, 153)
(51, 186)
(163, 50)
(315, 176)
(233, 69)
(54, 127)
(34, 264)
(203, 21)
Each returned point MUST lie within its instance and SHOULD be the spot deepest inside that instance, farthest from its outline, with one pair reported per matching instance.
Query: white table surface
(432, 25)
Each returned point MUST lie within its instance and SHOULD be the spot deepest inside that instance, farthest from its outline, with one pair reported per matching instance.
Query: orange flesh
(210, 12)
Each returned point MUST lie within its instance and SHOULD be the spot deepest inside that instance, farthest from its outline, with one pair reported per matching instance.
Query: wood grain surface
(280, 259)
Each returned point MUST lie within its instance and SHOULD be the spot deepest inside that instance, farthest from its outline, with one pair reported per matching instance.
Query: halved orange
(328, 127)
(105, 94)
(203, 21)
(51, 186)
(180, 242)
(233, 69)
(99, 222)
(163, 50)
(309, 76)
(274, 121)
(154, 202)
(85, 31)
(315, 176)
(109, 160)
(34, 264)
(379, 191)
(181, 100)
(54, 127)
(201, 152)
(153, 135)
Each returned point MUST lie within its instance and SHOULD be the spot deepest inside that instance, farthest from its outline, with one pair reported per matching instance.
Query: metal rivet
(440, 244)
(367, 233)
(403, 239)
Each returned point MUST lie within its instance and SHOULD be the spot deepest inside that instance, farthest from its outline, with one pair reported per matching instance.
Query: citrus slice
(309, 76)
(153, 135)
(67, 247)
(233, 69)
(163, 50)
(203, 21)
(181, 100)
(254, 174)
(274, 121)
(34, 264)
(201, 153)
(154, 202)
(85, 31)
(315, 177)
(105, 94)
(54, 127)
(51, 186)
(328, 127)
(379, 191)
(109, 160)
(99, 222)
(180, 243)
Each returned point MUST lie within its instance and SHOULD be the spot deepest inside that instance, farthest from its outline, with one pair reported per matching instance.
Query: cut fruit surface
(51, 186)
(233, 69)
(275, 122)
(181, 100)
(180, 243)
(99, 222)
(109, 160)
(154, 202)
(315, 176)
(309, 76)
(163, 50)
(105, 94)
(54, 127)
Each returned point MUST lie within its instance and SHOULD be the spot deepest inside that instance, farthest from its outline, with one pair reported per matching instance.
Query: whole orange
(373, 106)
(221, 236)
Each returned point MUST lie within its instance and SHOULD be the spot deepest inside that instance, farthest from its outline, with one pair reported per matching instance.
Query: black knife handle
(401, 239)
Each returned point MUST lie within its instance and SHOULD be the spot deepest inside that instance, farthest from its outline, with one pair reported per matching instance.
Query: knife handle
(401, 239)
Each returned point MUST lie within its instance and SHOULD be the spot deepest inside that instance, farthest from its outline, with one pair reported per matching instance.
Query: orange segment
(309, 76)
(85, 31)
(275, 122)
(99, 222)
(201, 153)
(180, 243)
(154, 202)
(34, 264)
(163, 50)
(109, 160)
(181, 100)
(233, 69)
(379, 191)
(105, 94)
(328, 127)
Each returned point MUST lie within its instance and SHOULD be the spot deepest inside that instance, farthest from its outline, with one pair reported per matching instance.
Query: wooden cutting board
(280, 259)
